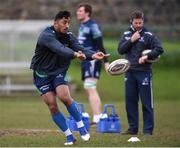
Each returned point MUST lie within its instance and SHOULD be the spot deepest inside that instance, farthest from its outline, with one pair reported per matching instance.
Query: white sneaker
(86, 137)
(68, 143)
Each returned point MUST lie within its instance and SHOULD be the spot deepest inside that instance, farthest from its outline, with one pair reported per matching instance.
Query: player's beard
(138, 28)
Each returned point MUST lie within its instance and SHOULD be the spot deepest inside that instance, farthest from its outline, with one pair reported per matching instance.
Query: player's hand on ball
(146, 52)
(143, 59)
(80, 55)
(99, 55)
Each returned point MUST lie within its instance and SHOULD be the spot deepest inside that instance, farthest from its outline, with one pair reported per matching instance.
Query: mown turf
(30, 113)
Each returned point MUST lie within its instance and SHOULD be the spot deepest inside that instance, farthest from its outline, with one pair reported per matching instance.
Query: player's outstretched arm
(80, 55)
(99, 55)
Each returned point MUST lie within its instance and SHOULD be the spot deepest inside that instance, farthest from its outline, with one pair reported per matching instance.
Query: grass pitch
(26, 122)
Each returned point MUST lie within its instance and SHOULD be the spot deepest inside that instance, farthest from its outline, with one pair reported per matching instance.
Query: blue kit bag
(85, 118)
(109, 123)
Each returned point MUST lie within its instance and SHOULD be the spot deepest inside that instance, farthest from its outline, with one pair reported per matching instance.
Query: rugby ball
(145, 52)
(118, 67)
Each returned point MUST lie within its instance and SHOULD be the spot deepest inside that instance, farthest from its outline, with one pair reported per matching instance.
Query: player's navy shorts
(45, 83)
(91, 69)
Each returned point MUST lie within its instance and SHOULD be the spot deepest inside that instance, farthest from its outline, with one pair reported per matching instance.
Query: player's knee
(64, 96)
(66, 99)
(90, 84)
(53, 108)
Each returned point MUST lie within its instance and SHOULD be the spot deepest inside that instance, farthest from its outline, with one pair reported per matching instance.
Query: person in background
(90, 36)
(138, 79)
(55, 48)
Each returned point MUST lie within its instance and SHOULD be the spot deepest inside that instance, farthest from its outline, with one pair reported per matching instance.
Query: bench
(8, 70)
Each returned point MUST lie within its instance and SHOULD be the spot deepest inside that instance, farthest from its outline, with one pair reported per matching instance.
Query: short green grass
(31, 113)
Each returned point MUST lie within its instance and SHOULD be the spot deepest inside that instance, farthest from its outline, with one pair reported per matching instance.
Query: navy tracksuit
(54, 51)
(138, 82)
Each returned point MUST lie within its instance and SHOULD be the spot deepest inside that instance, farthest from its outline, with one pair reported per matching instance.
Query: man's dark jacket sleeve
(155, 47)
(53, 44)
(124, 45)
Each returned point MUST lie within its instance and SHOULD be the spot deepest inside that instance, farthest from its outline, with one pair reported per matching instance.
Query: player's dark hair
(87, 8)
(62, 14)
(136, 15)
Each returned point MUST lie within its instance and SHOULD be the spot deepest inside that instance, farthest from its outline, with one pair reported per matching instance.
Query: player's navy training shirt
(87, 32)
(134, 50)
(54, 51)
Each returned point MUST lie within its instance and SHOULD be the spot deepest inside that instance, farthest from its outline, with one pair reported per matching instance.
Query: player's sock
(96, 118)
(60, 121)
(82, 130)
(81, 127)
(70, 140)
(74, 112)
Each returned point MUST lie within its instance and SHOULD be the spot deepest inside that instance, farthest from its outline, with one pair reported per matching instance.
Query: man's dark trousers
(139, 84)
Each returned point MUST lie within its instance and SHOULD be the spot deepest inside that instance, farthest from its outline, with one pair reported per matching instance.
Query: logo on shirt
(59, 76)
(141, 39)
(86, 30)
(127, 38)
